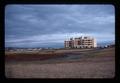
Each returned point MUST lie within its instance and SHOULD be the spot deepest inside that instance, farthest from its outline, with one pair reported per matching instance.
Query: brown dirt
(30, 56)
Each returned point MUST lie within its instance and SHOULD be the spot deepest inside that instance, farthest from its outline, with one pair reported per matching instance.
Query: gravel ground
(102, 65)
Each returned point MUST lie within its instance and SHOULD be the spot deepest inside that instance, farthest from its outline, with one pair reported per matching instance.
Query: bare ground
(99, 64)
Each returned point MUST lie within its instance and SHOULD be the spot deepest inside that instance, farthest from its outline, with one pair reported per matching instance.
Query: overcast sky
(50, 25)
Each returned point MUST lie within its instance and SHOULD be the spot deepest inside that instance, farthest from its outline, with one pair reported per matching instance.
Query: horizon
(50, 25)
(62, 46)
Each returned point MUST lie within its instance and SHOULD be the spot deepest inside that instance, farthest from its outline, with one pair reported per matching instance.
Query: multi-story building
(81, 42)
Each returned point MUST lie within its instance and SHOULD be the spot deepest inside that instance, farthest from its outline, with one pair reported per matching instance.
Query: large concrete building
(81, 42)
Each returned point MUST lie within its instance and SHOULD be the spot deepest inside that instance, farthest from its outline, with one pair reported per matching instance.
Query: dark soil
(30, 57)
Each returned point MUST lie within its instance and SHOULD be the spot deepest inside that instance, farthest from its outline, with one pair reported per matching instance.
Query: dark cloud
(25, 21)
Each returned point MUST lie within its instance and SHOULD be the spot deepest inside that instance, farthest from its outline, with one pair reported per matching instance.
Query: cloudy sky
(50, 25)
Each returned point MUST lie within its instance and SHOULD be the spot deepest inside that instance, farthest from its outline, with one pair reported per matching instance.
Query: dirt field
(71, 64)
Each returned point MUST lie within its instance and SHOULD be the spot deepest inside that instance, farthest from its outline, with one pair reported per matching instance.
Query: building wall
(66, 44)
(95, 43)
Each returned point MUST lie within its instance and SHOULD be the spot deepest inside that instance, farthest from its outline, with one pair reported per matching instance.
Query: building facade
(81, 42)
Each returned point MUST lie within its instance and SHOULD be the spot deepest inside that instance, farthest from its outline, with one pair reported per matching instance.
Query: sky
(50, 25)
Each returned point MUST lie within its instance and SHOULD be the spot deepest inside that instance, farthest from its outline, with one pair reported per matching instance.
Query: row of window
(80, 44)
